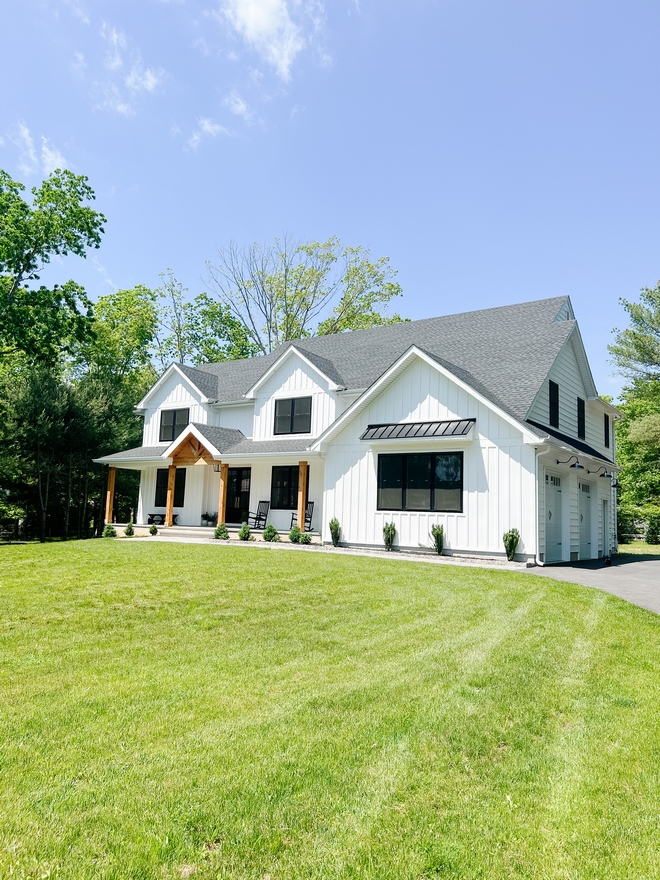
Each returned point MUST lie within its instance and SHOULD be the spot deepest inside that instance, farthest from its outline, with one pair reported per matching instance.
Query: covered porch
(195, 484)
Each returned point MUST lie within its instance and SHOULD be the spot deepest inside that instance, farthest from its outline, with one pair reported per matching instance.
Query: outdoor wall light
(604, 470)
(216, 468)
(576, 464)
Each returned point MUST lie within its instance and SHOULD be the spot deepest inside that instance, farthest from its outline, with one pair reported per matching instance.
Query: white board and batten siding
(175, 393)
(498, 480)
(295, 378)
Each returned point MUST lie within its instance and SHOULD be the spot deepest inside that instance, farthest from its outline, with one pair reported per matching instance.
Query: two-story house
(481, 421)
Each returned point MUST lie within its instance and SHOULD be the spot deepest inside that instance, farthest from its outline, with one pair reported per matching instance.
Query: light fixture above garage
(576, 464)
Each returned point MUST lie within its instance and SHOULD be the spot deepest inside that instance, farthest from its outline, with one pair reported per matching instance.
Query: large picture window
(421, 481)
(284, 487)
(179, 487)
(172, 423)
(293, 415)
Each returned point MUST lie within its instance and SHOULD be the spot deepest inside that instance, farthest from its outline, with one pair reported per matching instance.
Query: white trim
(390, 374)
(173, 368)
(249, 395)
(191, 430)
(122, 462)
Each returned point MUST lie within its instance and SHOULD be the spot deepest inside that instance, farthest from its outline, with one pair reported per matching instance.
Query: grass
(174, 711)
(640, 548)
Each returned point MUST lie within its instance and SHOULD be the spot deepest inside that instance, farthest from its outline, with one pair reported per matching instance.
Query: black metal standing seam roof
(418, 430)
(503, 352)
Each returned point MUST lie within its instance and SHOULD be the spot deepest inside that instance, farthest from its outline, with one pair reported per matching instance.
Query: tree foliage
(636, 350)
(40, 321)
(292, 290)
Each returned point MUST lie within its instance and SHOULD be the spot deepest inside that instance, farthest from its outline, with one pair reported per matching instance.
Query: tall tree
(290, 290)
(42, 321)
(197, 331)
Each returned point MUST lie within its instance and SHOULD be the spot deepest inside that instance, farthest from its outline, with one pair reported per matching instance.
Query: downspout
(536, 503)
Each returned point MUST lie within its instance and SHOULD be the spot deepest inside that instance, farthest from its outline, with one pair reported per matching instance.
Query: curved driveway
(633, 577)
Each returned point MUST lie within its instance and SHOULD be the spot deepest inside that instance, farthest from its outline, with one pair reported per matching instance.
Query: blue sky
(495, 151)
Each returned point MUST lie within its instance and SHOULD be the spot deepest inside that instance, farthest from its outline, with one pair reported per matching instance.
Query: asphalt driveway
(633, 577)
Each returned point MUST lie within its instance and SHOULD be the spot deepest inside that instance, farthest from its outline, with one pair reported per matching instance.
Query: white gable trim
(174, 368)
(191, 431)
(290, 352)
(388, 377)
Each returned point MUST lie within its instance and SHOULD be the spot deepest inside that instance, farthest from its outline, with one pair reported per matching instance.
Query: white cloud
(238, 106)
(51, 158)
(116, 44)
(79, 66)
(28, 161)
(206, 128)
(267, 26)
(78, 10)
(112, 99)
(144, 80)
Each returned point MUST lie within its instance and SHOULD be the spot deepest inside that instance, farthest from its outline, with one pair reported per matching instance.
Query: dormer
(174, 401)
(298, 396)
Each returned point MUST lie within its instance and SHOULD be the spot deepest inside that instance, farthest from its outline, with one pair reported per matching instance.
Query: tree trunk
(85, 507)
(67, 509)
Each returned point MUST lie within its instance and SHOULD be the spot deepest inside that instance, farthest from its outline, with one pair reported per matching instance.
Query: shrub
(653, 529)
(271, 533)
(335, 531)
(511, 539)
(153, 530)
(109, 531)
(625, 525)
(305, 538)
(438, 535)
(221, 532)
(389, 532)
(244, 532)
(129, 531)
(295, 534)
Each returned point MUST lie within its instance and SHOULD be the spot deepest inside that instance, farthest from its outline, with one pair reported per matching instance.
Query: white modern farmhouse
(482, 422)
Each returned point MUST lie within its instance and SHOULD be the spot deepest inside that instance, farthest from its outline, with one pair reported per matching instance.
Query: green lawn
(199, 711)
(640, 548)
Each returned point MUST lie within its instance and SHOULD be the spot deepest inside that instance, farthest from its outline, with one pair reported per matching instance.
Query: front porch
(194, 486)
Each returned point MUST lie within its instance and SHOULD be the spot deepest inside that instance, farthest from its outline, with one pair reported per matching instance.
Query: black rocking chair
(309, 513)
(258, 520)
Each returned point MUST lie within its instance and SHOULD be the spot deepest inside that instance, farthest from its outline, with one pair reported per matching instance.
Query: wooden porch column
(110, 494)
(169, 504)
(222, 493)
(302, 494)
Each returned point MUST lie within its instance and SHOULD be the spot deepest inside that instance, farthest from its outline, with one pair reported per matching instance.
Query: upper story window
(606, 430)
(172, 423)
(293, 415)
(580, 418)
(421, 481)
(553, 414)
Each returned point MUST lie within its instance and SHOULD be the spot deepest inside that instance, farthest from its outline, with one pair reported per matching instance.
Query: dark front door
(238, 494)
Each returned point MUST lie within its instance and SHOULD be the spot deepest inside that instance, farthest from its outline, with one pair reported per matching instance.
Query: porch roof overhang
(133, 459)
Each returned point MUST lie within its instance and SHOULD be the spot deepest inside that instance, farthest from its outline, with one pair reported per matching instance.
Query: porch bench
(158, 519)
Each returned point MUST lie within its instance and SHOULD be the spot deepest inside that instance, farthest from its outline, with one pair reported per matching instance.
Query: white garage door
(553, 530)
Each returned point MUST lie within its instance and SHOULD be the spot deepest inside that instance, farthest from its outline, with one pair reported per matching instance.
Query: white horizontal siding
(566, 373)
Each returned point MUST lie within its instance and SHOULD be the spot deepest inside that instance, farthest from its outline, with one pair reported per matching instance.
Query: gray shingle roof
(505, 353)
(229, 441)
(140, 452)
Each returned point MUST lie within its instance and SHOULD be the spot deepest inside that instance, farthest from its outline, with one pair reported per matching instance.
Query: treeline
(72, 372)
(636, 353)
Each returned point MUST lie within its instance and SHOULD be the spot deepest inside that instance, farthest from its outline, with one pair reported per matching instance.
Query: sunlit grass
(207, 711)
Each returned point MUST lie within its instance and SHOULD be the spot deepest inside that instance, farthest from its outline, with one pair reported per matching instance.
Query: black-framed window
(293, 415)
(421, 481)
(553, 414)
(284, 487)
(172, 423)
(179, 487)
(606, 430)
(581, 418)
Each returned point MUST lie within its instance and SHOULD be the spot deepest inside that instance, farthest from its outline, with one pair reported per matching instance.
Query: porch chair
(309, 513)
(258, 520)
